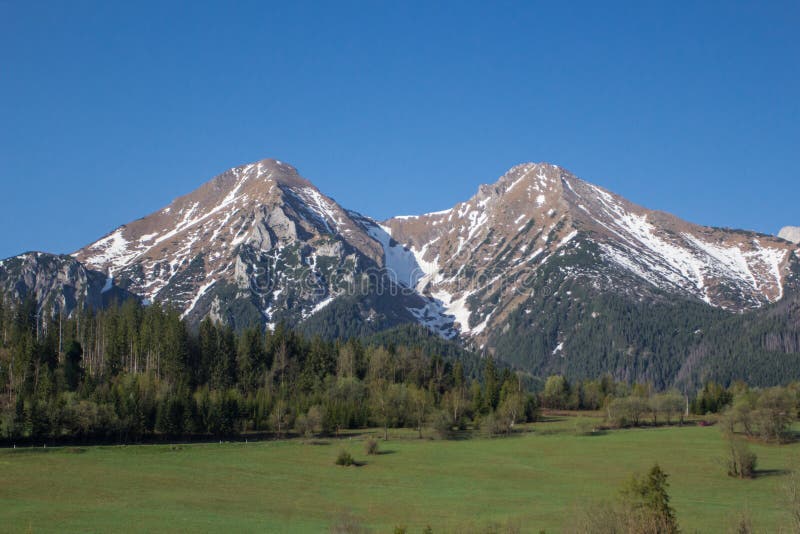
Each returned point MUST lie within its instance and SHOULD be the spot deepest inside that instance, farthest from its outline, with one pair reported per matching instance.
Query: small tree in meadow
(741, 460)
(345, 459)
(371, 446)
(647, 499)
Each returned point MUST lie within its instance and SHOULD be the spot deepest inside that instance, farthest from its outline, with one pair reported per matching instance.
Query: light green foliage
(556, 392)
(765, 414)
(741, 460)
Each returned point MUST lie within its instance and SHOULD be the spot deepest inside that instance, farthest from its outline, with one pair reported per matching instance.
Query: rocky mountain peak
(471, 254)
(250, 232)
(260, 243)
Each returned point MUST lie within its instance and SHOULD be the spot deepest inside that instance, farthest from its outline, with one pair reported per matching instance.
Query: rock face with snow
(260, 244)
(542, 269)
(790, 233)
(478, 261)
(257, 244)
(59, 283)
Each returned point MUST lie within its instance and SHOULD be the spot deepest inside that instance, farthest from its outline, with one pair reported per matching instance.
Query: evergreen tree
(73, 371)
(650, 495)
(491, 397)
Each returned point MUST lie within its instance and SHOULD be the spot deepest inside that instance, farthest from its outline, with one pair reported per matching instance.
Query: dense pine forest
(131, 372)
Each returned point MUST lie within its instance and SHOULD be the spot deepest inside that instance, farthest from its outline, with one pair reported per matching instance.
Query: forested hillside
(130, 372)
(636, 333)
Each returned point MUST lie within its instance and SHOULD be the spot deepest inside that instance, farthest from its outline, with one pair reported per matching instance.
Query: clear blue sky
(111, 109)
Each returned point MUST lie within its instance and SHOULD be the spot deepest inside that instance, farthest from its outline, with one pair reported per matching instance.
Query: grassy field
(534, 481)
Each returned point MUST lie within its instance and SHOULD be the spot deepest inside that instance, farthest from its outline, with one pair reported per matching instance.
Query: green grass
(534, 480)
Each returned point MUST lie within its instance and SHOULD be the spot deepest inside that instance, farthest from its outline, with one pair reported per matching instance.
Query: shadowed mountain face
(58, 283)
(535, 268)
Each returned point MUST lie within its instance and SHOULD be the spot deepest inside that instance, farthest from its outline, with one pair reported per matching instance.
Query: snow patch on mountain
(321, 207)
(200, 292)
(113, 249)
(400, 262)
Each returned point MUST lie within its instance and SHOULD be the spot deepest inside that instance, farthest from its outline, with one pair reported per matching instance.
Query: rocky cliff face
(260, 244)
(478, 261)
(257, 244)
(59, 283)
(542, 269)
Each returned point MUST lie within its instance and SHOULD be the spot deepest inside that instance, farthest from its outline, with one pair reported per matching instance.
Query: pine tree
(492, 395)
(73, 372)
(650, 495)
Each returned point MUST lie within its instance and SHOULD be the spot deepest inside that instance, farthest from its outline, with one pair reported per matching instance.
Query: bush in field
(792, 497)
(642, 508)
(776, 409)
(665, 407)
(556, 392)
(741, 460)
(491, 426)
(585, 427)
(309, 424)
(345, 459)
(627, 411)
(314, 420)
(766, 415)
(443, 424)
(346, 523)
(371, 446)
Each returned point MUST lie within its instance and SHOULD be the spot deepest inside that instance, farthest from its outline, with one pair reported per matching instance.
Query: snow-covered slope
(58, 283)
(260, 244)
(257, 240)
(479, 257)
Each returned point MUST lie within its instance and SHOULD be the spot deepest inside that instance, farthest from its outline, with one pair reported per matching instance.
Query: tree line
(131, 372)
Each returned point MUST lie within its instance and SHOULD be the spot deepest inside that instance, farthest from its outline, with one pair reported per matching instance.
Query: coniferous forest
(129, 373)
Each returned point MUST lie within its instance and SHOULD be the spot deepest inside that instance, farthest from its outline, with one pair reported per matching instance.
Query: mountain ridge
(539, 255)
(521, 226)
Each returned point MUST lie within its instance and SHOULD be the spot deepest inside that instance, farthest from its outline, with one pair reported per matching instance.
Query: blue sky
(111, 109)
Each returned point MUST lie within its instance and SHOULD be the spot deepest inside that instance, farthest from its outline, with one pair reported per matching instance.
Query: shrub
(743, 523)
(346, 523)
(487, 425)
(741, 460)
(443, 424)
(585, 427)
(767, 414)
(301, 426)
(309, 424)
(494, 425)
(776, 409)
(626, 411)
(345, 459)
(371, 446)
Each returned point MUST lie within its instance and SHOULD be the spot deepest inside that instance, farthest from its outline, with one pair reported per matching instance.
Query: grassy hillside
(534, 481)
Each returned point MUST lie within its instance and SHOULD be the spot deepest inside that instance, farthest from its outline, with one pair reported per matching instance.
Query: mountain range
(543, 270)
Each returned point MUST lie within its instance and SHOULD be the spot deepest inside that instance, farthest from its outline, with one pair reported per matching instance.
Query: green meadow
(532, 481)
